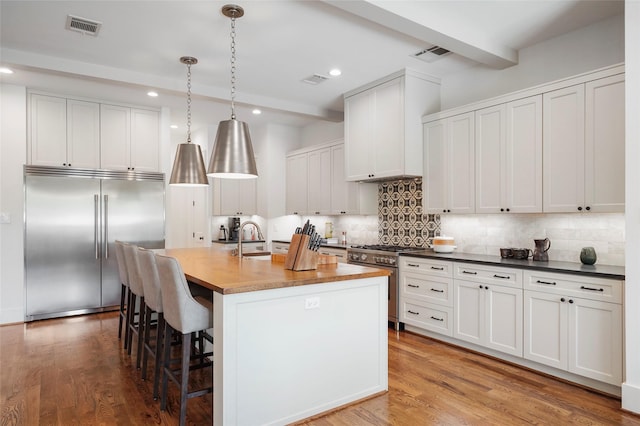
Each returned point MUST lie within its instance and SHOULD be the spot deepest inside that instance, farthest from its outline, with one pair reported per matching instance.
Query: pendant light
(232, 156)
(188, 166)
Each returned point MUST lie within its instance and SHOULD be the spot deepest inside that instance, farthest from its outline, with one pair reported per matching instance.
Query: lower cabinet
(277, 247)
(340, 254)
(581, 335)
(570, 322)
(488, 307)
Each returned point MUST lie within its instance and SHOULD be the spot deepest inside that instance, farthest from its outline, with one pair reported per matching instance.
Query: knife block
(299, 257)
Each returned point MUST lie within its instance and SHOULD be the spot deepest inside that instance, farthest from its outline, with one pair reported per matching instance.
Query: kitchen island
(290, 345)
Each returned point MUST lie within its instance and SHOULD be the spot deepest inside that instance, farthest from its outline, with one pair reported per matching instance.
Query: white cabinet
(319, 184)
(340, 254)
(508, 140)
(449, 165)
(584, 147)
(234, 197)
(426, 294)
(488, 307)
(575, 324)
(279, 247)
(129, 138)
(64, 132)
(297, 184)
(383, 126)
(350, 197)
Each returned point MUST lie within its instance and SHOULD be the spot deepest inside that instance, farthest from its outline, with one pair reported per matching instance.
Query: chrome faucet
(242, 225)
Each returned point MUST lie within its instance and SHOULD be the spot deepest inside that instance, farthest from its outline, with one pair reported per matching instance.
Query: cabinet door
(490, 140)
(83, 134)
(523, 156)
(296, 181)
(469, 309)
(248, 196)
(595, 340)
(545, 329)
(604, 145)
(504, 319)
(461, 153)
(144, 141)
(48, 130)
(319, 184)
(388, 129)
(434, 182)
(358, 133)
(563, 150)
(349, 197)
(228, 197)
(115, 137)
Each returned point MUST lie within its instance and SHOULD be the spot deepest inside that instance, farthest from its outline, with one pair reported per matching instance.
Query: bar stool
(135, 290)
(124, 291)
(153, 304)
(186, 315)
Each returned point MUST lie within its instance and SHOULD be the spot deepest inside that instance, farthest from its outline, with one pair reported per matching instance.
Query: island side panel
(287, 354)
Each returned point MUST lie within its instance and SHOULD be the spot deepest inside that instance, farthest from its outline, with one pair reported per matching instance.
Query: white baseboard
(631, 397)
(11, 316)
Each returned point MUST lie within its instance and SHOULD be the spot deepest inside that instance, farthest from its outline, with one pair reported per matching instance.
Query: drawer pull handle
(413, 313)
(413, 265)
(546, 282)
(469, 272)
(441, 268)
(437, 291)
(590, 288)
(413, 286)
(436, 318)
(501, 276)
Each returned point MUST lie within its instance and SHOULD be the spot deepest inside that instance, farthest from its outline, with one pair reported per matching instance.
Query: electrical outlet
(312, 303)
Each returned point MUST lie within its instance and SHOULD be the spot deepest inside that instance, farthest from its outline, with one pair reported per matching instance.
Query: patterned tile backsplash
(400, 218)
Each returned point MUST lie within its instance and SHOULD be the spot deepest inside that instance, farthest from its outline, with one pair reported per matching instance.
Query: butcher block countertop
(221, 272)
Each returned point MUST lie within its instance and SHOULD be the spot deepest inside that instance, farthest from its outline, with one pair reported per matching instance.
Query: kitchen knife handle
(95, 226)
(106, 226)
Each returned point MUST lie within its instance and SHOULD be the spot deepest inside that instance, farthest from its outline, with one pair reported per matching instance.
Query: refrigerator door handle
(106, 226)
(95, 225)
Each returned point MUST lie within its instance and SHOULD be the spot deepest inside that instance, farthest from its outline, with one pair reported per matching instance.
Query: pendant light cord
(188, 102)
(233, 66)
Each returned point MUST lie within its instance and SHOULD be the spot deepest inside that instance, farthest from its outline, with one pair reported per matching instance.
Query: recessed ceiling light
(152, 94)
(174, 126)
(335, 72)
(4, 70)
(256, 112)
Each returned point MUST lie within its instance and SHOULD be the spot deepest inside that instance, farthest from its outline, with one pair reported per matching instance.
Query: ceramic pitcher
(540, 250)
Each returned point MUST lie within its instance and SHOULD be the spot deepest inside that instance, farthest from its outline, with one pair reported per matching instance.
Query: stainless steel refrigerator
(72, 219)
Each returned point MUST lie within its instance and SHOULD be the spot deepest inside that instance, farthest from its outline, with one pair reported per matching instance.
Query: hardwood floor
(73, 371)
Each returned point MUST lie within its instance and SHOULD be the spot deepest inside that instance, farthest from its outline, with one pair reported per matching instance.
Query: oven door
(393, 295)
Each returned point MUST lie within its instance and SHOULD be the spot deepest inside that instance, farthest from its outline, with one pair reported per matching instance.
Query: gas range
(376, 254)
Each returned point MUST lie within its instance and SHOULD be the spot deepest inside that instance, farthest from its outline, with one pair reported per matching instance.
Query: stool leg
(145, 341)
(159, 351)
(141, 329)
(123, 293)
(166, 365)
(132, 319)
(184, 380)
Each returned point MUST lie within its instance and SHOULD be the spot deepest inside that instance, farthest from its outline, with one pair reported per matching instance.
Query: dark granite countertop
(338, 246)
(600, 271)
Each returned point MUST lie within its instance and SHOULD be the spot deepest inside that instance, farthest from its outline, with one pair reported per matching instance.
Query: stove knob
(363, 256)
(392, 261)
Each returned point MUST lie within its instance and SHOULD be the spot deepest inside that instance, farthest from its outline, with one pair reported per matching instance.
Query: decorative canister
(588, 255)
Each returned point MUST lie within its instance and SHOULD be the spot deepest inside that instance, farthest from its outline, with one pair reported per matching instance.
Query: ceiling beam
(423, 21)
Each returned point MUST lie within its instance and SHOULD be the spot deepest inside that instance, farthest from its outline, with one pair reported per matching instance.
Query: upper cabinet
(383, 130)
(235, 197)
(316, 184)
(76, 133)
(129, 138)
(508, 140)
(449, 165)
(64, 132)
(584, 147)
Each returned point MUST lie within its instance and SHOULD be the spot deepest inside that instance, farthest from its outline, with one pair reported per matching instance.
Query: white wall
(586, 49)
(13, 154)
(631, 386)
(321, 132)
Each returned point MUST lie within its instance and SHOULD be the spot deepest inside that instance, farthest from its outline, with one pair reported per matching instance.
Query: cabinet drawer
(339, 253)
(606, 290)
(426, 266)
(280, 248)
(427, 316)
(488, 274)
(432, 289)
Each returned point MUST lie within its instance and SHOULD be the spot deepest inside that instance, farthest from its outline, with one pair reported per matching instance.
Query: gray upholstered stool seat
(186, 315)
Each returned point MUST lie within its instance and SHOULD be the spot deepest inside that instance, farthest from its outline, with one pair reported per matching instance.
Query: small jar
(588, 255)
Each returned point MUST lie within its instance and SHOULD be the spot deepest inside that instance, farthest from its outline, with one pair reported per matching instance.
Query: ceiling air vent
(83, 25)
(315, 79)
(431, 54)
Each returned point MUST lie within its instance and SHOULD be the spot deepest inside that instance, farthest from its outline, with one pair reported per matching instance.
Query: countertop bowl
(444, 248)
